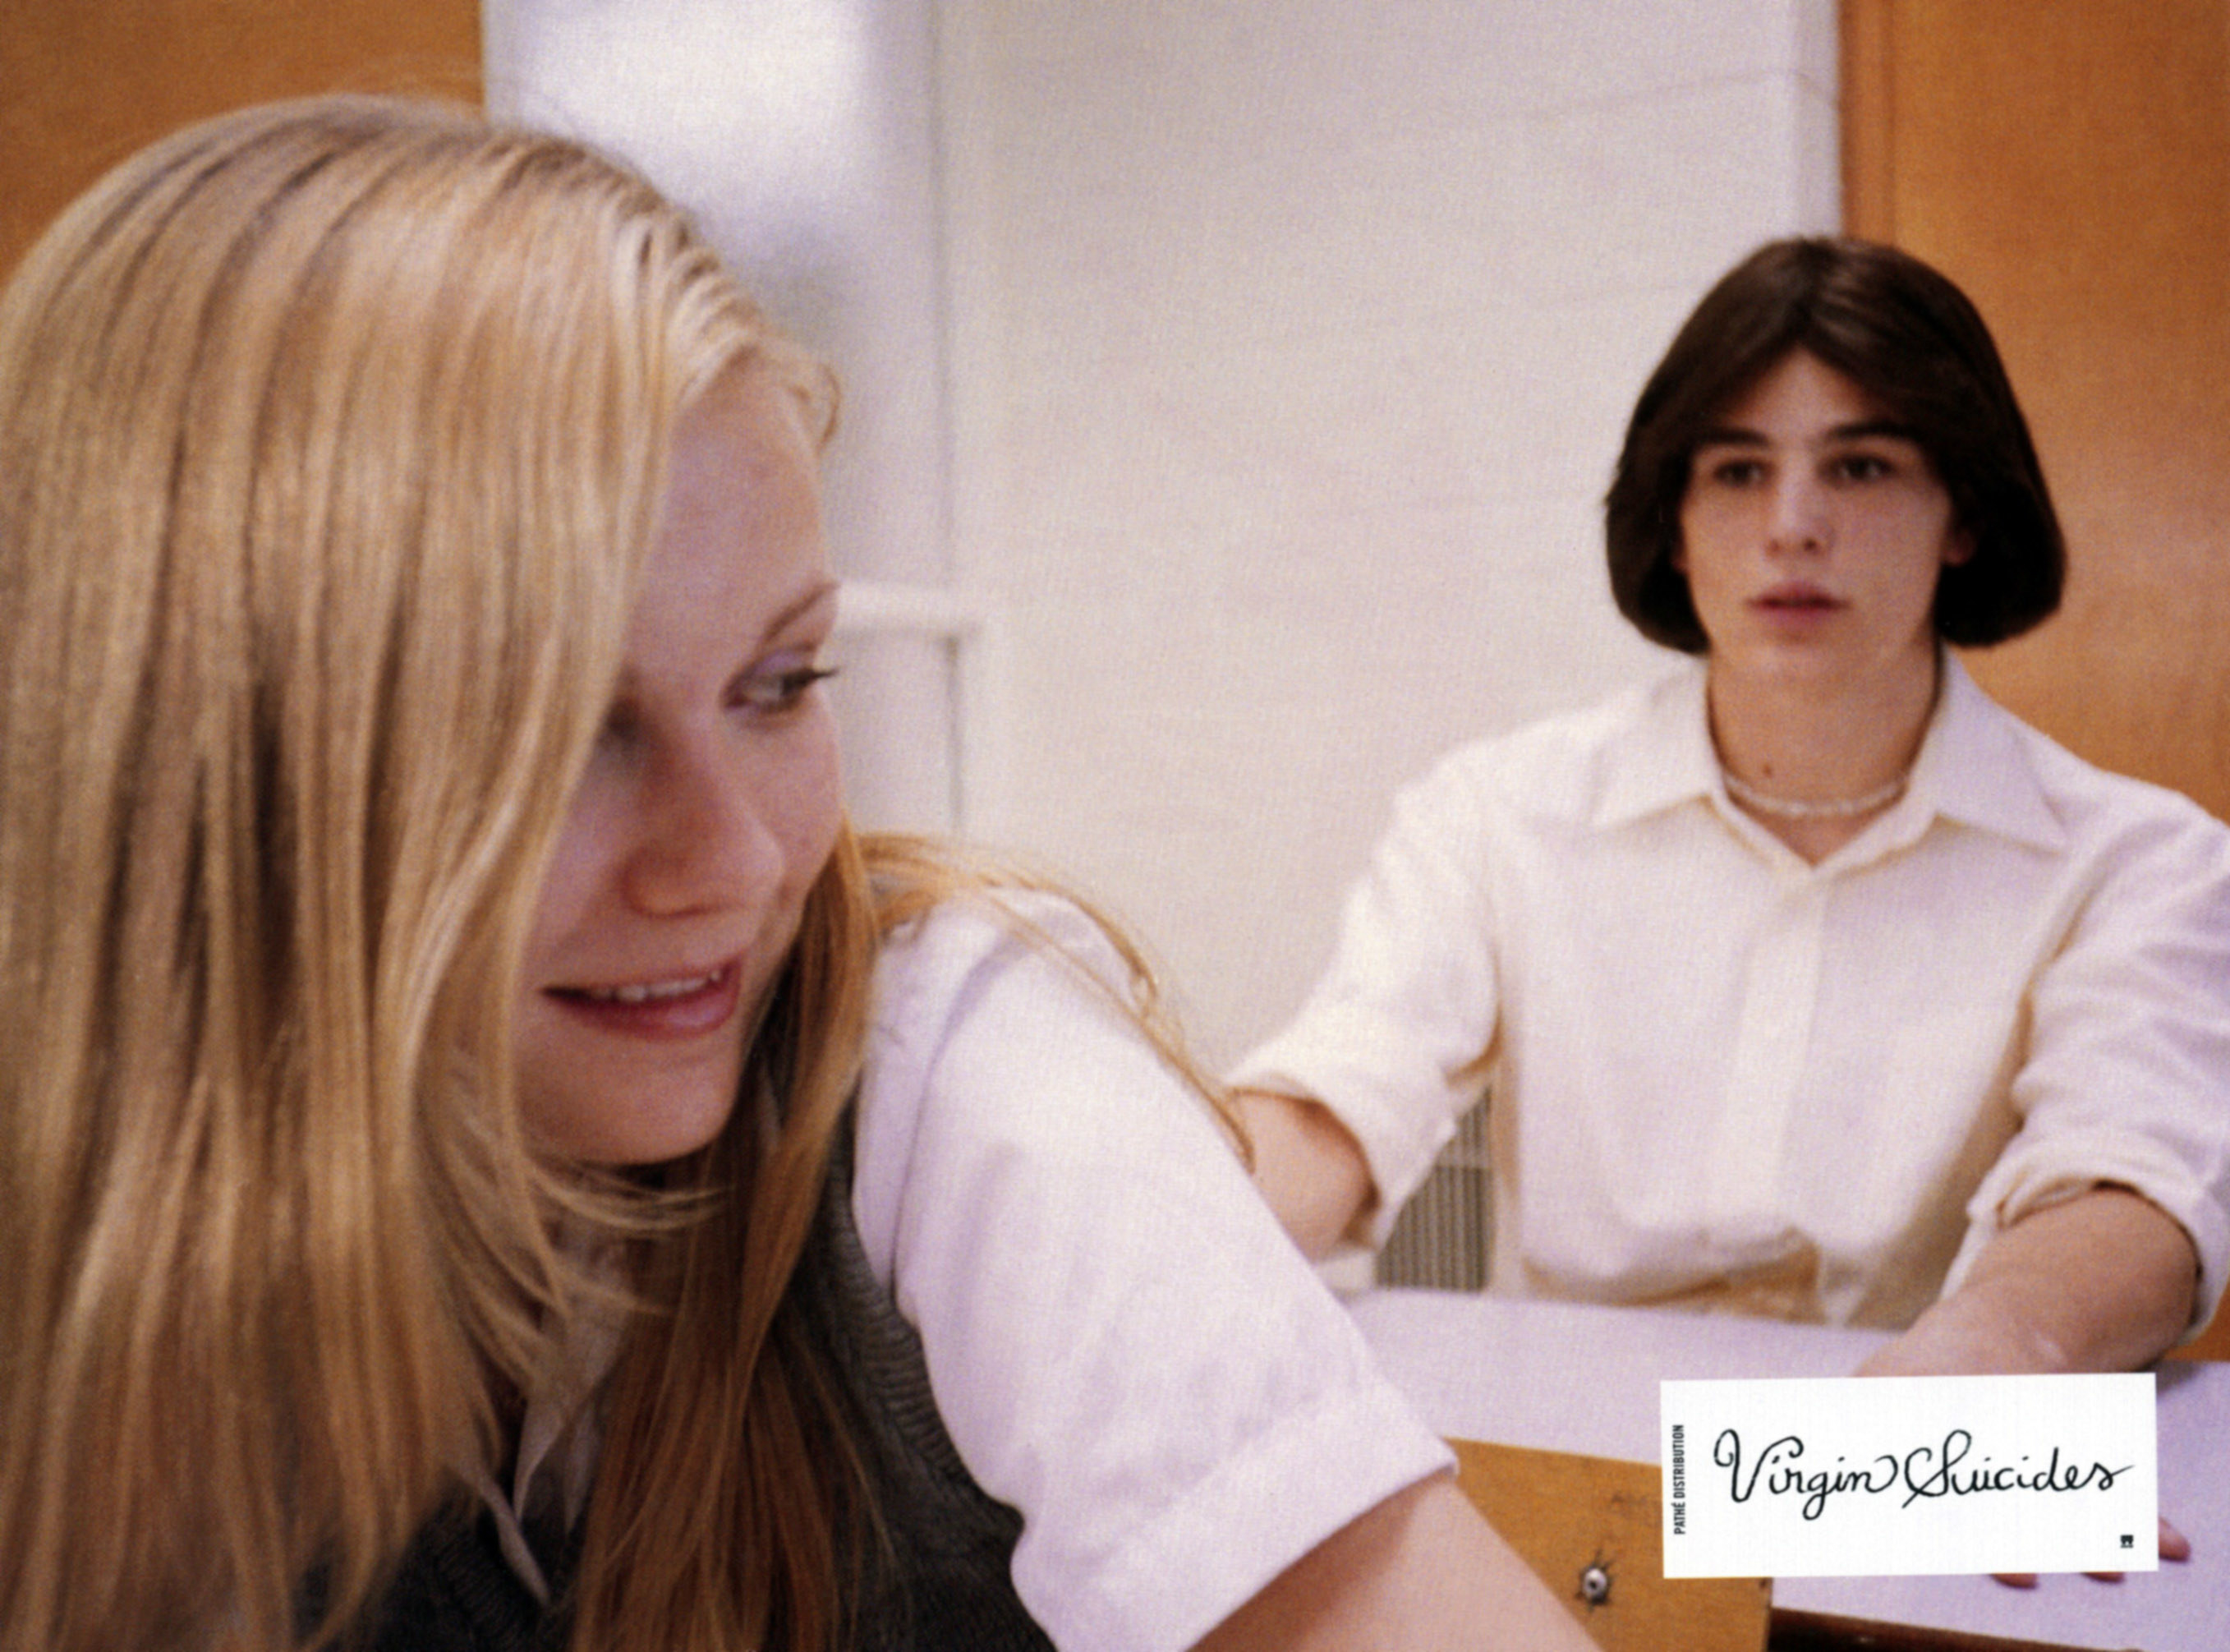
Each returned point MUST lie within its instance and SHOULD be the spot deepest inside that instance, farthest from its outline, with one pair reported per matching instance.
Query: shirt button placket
(1780, 996)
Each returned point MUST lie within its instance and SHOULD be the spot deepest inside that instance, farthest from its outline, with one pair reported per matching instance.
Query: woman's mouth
(682, 1005)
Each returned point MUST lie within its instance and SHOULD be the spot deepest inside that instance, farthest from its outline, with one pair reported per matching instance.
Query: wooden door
(83, 83)
(2067, 162)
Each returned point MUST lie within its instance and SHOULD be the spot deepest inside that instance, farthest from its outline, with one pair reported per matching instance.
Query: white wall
(1257, 370)
(1290, 349)
(802, 135)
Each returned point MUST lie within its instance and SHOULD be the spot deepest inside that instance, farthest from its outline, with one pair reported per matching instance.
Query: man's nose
(1798, 513)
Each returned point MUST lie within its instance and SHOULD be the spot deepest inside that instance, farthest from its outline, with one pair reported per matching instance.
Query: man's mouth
(1798, 599)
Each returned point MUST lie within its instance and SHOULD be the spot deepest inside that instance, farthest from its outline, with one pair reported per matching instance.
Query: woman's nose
(704, 841)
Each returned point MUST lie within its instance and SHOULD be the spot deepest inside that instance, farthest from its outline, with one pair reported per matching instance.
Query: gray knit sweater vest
(938, 1582)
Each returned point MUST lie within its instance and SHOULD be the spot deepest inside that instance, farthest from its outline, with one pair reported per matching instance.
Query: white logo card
(1850, 1476)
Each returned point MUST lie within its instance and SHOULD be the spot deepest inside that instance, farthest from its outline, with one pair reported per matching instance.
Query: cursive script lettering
(1777, 1465)
(1944, 1480)
(1923, 1471)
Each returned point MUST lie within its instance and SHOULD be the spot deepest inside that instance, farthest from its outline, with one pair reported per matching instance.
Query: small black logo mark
(2128, 1542)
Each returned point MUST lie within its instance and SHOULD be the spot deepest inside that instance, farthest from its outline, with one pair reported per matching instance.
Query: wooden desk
(1563, 1377)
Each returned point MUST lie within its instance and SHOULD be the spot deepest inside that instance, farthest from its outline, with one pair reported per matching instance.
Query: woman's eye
(1736, 473)
(780, 688)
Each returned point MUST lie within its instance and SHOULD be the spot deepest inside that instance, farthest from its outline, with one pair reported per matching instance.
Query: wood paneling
(2067, 162)
(85, 82)
(1569, 1515)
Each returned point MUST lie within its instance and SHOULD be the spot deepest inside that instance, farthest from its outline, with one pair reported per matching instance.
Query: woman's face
(709, 807)
(1811, 533)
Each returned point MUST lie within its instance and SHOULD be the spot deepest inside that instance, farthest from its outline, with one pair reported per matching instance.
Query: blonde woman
(485, 1160)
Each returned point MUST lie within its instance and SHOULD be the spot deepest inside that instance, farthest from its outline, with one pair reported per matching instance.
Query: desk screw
(1594, 1585)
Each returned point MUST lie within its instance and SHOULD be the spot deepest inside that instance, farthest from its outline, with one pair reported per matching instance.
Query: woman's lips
(684, 1005)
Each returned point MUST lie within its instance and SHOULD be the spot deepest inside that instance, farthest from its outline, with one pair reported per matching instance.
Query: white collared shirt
(1122, 1344)
(560, 1434)
(1721, 1074)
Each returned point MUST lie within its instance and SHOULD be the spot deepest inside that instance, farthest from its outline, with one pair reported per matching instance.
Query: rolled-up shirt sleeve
(2127, 1080)
(1716, 1061)
(1122, 1343)
(1394, 1037)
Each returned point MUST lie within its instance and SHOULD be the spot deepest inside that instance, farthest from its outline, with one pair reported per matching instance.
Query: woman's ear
(1958, 547)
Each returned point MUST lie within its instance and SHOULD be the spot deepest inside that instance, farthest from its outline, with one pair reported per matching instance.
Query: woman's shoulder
(981, 937)
(937, 948)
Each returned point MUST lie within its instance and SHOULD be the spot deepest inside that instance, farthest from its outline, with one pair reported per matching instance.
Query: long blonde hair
(331, 437)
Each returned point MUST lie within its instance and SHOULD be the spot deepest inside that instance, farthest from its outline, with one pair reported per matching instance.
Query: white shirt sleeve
(2130, 1047)
(1392, 1038)
(1122, 1343)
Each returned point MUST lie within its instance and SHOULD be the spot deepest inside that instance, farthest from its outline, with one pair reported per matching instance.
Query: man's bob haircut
(1910, 340)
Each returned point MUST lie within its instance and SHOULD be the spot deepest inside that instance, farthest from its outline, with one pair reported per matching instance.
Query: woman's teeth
(651, 993)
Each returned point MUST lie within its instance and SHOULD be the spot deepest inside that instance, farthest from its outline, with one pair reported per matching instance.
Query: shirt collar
(1663, 757)
(561, 1432)
(1972, 767)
